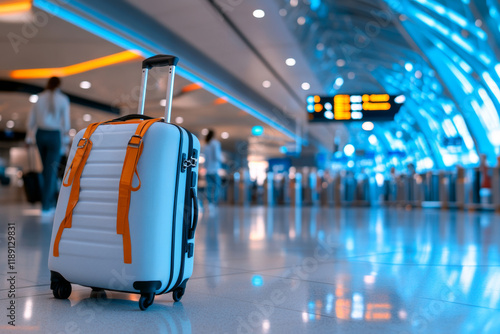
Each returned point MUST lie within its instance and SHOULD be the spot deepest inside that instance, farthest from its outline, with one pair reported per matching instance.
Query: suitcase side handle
(159, 61)
(194, 200)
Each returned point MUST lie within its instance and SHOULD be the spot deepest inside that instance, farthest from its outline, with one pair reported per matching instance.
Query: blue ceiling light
(257, 130)
(315, 4)
(349, 150)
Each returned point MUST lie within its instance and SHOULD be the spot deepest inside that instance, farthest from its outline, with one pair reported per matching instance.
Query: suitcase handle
(159, 61)
(129, 117)
(194, 200)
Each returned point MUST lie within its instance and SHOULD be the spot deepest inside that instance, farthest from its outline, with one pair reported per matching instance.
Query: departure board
(353, 107)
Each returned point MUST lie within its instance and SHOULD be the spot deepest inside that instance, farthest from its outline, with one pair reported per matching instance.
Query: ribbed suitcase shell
(91, 251)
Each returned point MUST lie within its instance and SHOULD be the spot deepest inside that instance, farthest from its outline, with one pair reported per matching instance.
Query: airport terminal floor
(289, 270)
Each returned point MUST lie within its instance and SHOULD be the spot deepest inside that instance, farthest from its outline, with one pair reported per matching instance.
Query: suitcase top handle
(159, 61)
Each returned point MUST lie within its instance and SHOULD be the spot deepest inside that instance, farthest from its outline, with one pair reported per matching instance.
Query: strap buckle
(85, 141)
(136, 145)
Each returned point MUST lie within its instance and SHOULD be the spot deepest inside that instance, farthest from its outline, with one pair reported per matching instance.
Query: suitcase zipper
(189, 164)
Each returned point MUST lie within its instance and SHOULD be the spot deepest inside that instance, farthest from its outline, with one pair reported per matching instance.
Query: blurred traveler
(212, 154)
(485, 176)
(485, 186)
(48, 126)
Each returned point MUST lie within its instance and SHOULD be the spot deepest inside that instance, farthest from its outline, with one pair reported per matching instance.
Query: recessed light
(349, 150)
(163, 102)
(301, 20)
(400, 99)
(320, 46)
(339, 82)
(33, 98)
(351, 75)
(409, 67)
(340, 62)
(368, 126)
(204, 132)
(266, 84)
(290, 62)
(294, 3)
(10, 124)
(259, 13)
(85, 85)
(373, 140)
(72, 132)
(418, 74)
(283, 12)
(305, 86)
(87, 117)
(179, 120)
(224, 135)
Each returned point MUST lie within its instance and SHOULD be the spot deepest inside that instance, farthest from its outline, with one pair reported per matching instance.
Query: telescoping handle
(158, 61)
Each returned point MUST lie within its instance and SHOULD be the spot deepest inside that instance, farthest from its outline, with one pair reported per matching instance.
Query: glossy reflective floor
(286, 270)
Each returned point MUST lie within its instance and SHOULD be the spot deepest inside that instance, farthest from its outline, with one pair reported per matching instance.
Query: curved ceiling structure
(442, 55)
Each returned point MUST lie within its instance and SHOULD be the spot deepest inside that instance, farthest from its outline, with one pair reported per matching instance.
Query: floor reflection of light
(492, 290)
(466, 278)
(379, 230)
(425, 254)
(305, 317)
(28, 309)
(369, 279)
(470, 257)
(329, 303)
(342, 308)
(266, 325)
(467, 275)
(257, 280)
(380, 311)
(258, 229)
(357, 306)
(445, 255)
(349, 244)
(452, 279)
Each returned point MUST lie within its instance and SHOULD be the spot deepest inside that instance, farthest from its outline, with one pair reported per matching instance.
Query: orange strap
(134, 151)
(75, 171)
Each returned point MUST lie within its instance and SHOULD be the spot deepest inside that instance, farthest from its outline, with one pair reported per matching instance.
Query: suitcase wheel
(177, 294)
(61, 290)
(146, 300)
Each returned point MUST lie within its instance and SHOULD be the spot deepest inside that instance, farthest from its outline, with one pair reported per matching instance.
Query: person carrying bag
(48, 126)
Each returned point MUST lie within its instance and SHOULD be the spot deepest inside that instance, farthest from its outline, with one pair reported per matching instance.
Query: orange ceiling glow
(11, 7)
(43, 73)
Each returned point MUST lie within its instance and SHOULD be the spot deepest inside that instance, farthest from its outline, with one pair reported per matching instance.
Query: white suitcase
(127, 210)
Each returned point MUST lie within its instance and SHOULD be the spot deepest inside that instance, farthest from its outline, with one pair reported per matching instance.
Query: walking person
(48, 126)
(213, 159)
